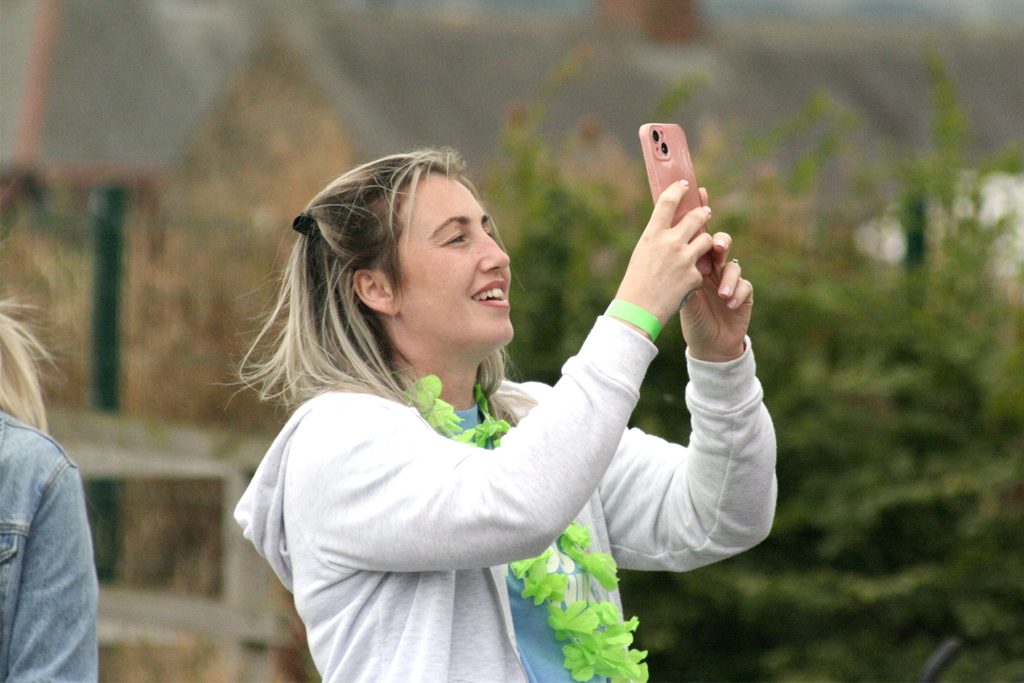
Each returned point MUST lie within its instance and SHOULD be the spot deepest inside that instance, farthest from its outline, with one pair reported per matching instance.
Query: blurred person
(438, 522)
(48, 585)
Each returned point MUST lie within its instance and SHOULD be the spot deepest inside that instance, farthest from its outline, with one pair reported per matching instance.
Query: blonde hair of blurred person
(20, 353)
(48, 585)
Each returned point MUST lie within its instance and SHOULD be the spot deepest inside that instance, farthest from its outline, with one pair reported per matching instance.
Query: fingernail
(684, 182)
(720, 243)
(708, 209)
(734, 303)
(725, 291)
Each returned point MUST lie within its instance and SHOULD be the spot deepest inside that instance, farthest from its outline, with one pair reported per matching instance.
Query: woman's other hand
(716, 317)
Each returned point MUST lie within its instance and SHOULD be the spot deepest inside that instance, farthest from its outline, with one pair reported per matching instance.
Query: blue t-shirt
(539, 650)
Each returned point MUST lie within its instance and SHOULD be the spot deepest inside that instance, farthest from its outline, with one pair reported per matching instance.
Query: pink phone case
(667, 158)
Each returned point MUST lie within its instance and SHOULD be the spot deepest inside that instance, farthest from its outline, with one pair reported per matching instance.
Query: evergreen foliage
(897, 391)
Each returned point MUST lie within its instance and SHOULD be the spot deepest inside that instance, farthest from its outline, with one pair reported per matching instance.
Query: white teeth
(486, 295)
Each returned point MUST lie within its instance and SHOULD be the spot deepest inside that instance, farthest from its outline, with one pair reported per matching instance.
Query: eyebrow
(460, 220)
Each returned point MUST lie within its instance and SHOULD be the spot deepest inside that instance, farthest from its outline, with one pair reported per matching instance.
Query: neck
(456, 370)
(457, 381)
(456, 367)
(457, 389)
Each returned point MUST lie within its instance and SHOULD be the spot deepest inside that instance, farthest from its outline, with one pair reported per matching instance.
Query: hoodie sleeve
(677, 508)
(370, 486)
(260, 511)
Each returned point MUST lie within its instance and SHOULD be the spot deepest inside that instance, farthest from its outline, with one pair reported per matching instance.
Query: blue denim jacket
(48, 587)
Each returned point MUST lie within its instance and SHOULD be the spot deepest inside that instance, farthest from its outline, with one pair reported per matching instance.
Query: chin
(499, 342)
(507, 337)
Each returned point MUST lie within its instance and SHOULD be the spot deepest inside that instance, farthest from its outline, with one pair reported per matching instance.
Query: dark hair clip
(305, 224)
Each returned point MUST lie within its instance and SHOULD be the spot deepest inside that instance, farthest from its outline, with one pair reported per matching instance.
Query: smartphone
(667, 158)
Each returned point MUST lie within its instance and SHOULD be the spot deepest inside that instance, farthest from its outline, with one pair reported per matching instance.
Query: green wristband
(631, 313)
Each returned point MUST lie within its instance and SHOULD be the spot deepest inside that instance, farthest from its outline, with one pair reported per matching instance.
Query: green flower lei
(598, 639)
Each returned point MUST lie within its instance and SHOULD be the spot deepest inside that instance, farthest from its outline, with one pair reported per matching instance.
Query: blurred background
(866, 155)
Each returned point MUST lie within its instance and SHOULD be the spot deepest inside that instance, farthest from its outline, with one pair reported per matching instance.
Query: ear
(375, 290)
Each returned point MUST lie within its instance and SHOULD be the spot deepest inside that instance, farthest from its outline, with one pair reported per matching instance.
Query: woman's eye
(457, 239)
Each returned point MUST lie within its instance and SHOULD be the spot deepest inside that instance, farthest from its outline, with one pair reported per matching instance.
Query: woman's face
(453, 307)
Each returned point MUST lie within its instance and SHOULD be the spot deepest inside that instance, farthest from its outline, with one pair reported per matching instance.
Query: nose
(492, 256)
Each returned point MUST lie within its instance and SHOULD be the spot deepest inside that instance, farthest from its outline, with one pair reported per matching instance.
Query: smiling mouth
(494, 294)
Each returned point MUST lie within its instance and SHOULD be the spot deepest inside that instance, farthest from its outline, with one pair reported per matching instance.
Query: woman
(48, 587)
(425, 540)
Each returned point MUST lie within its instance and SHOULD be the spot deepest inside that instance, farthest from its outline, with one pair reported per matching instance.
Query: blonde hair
(20, 354)
(322, 337)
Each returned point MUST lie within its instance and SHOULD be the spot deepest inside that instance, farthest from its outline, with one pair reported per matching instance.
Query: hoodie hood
(260, 512)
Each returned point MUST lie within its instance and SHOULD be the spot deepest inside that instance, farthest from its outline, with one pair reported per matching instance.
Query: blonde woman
(437, 522)
(48, 587)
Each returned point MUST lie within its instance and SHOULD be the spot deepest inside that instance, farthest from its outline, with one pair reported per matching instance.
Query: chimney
(667, 21)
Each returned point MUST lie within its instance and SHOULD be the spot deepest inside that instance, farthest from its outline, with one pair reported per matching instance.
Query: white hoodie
(393, 539)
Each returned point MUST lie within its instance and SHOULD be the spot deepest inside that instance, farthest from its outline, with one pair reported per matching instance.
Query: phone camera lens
(656, 136)
(664, 148)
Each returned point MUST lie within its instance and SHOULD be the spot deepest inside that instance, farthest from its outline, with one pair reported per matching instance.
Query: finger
(722, 244)
(700, 250)
(695, 223)
(705, 264)
(744, 294)
(730, 279)
(692, 222)
(665, 207)
(714, 260)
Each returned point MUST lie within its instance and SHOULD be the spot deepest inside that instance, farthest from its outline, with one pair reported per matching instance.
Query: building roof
(106, 84)
(103, 86)
(402, 81)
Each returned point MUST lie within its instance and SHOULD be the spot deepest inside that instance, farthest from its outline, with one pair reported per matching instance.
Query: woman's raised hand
(663, 267)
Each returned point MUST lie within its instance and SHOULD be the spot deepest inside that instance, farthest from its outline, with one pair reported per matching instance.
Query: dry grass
(189, 301)
(185, 659)
(183, 515)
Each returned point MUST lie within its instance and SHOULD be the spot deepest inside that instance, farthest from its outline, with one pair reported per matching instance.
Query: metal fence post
(106, 214)
(106, 218)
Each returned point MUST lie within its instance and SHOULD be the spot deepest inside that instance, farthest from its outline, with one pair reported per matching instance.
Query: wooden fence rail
(242, 620)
